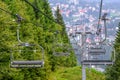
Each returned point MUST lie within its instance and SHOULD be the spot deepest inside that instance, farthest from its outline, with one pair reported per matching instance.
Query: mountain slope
(36, 28)
(74, 73)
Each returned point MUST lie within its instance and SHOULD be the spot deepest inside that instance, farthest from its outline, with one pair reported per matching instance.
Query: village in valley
(79, 13)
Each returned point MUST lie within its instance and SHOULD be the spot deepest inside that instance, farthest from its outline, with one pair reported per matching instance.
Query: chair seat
(61, 54)
(26, 66)
(97, 62)
(27, 62)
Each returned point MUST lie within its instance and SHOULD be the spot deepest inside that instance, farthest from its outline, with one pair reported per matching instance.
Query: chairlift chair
(22, 50)
(98, 51)
(61, 50)
(26, 48)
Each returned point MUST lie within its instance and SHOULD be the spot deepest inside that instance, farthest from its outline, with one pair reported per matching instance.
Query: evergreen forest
(37, 25)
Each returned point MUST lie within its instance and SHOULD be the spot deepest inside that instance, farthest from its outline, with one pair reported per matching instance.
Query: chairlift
(27, 49)
(33, 52)
(61, 50)
(98, 51)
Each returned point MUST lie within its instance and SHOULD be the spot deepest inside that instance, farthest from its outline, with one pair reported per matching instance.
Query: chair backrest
(62, 50)
(96, 50)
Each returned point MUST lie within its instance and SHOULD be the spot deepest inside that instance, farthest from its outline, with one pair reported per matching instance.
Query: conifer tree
(58, 17)
(113, 72)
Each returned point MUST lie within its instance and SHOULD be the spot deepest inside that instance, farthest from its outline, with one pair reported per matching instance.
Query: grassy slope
(75, 74)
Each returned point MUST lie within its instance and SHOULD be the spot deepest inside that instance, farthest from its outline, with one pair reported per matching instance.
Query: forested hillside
(36, 27)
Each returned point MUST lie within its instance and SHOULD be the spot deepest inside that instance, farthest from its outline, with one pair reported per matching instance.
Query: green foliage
(75, 73)
(35, 28)
(59, 18)
(113, 72)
